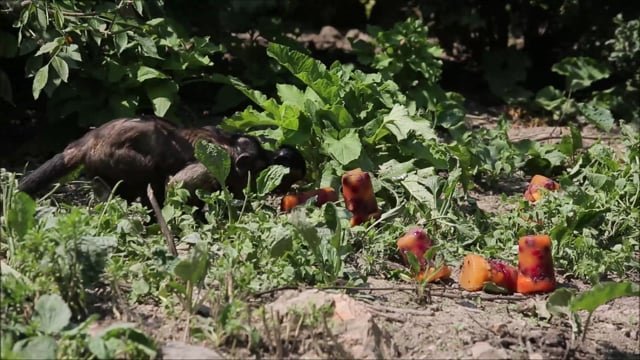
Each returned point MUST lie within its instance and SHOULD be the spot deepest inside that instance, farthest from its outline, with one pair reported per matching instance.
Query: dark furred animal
(290, 157)
(147, 150)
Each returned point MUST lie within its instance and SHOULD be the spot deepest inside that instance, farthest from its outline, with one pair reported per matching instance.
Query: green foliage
(218, 162)
(118, 57)
(192, 272)
(355, 119)
(567, 302)
(580, 73)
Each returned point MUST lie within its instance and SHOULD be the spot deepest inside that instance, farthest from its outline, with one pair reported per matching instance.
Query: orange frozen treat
(416, 241)
(533, 193)
(535, 265)
(359, 198)
(503, 274)
(324, 195)
(444, 272)
(476, 271)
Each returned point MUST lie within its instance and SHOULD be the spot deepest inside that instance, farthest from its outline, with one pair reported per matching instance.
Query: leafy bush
(117, 57)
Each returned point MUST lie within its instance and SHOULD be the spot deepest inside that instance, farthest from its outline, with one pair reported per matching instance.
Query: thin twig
(388, 316)
(399, 310)
(161, 221)
(394, 288)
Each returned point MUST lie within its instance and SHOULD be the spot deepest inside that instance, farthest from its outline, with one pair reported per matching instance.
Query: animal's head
(292, 158)
(248, 156)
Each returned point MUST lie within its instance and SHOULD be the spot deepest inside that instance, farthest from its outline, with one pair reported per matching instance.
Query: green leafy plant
(566, 302)
(218, 162)
(580, 73)
(117, 56)
(192, 272)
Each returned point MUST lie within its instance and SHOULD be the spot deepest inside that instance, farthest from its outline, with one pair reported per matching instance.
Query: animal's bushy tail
(47, 173)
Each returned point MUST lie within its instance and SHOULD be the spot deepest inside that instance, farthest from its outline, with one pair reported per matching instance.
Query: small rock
(352, 323)
(484, 350)
(499, 329)
(176, 350)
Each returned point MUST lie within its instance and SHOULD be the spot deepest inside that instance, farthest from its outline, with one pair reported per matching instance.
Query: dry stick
(399, 310)
(388, 316)
(393, 288)
(161, 221)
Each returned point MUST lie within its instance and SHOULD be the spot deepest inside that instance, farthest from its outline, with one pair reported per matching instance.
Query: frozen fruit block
(359, 198)
(533, 193)
(416, 241)
(476, 271)
(503, 274)
(324, 195)
(434, 274)
(535, 265)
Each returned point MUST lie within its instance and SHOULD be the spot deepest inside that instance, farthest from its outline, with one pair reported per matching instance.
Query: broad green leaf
(138, 4)
(52, 313)
(249, 118)
(596, 180)
(195, 268)
(417, 190)
(50, 46)
(414, 264)
(558, 302)
(602, 293)
(61, 68)
(308, 232)
(311, 71)
(283, 241)
(58, 17)
(597, 115)
(555, 157)
(21, 214)
(121, 40)
(256, 96)
(550, 98)
(215, 159)
(145, 73)
(40, 81)
(111, 341)
(580, 71)
(161, 93)
(99, 348)
(401, 125)
(270, 178)
(288, 117)
(331, 217)
(345, 150)
(290, 94)
(147, 47)
(393, 168)
(39, 347)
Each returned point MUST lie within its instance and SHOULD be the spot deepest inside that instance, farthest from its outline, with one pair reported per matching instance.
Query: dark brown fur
(146, 150)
